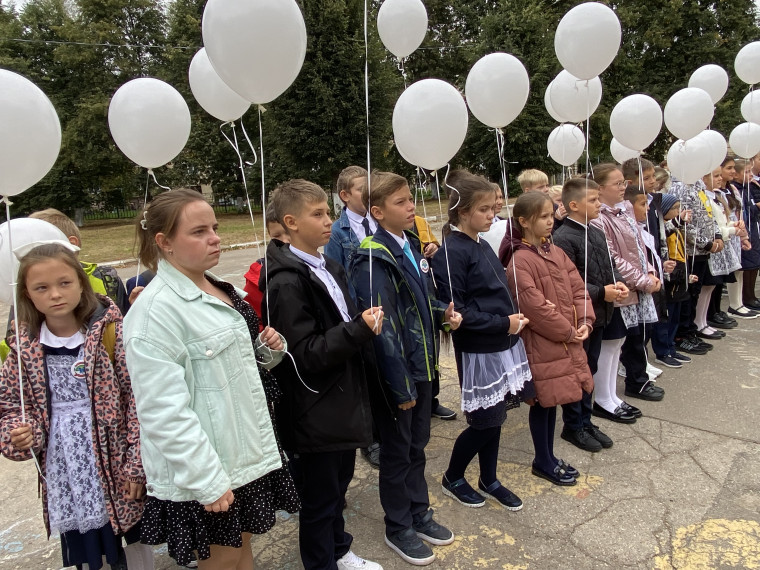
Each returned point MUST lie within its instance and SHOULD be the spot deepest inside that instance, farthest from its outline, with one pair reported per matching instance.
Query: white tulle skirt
(488, 378)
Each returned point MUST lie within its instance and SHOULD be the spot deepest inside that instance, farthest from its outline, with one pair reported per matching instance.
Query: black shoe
(410, 547)
(430, 531)
(499, 492)
(460, 490)
(690, 347)
(721, 321)
(668, 361)
(633, 410)
(752, 304)
(558, 476)
(726, 317)
(648, 392)
(717, 335)
(744, 313)
(619, 415)
(443, 413)
(372, 455)
(599, 436)
(706, 345)
(567, 468)
(681, 357)
(582, 439)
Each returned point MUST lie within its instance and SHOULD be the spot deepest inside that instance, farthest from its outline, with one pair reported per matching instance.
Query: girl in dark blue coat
(491, 361)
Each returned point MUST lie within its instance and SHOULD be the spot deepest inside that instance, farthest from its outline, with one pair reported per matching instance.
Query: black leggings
(542, 422)
(471, 442)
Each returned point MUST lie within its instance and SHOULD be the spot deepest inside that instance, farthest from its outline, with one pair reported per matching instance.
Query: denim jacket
(205, 425)
(343, 245)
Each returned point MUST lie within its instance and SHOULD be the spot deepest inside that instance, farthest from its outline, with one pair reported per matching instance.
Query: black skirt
(186, 526)
(90, 547)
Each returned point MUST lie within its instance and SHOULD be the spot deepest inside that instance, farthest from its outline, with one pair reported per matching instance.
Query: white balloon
(636, 121)
(718, 146)
(213, 94)
(495, 235)
(18, 232)
(688, 112)
(149, 121)
(587, 39)
(573, 98)
(548, 104)
(497, 89)
(402, 25)
(30, 134)
(256, 46)
(622, 153)
(429, 123)
(745, 140)
(751, 107)
(689, 161)
(566, 144)
(711, 78)
(747, 63)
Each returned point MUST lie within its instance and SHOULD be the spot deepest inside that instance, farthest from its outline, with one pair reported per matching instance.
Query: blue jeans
(664, 337)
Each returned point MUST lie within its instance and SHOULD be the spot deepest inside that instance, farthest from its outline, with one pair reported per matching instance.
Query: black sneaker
(582, 439)
(497, 491)
(461, 491)
(410, 547)
(681, 357)
(706, 345)
(599, 436)
(443, 413)
(430, 531)
(372, 455)
(668, 361)
(648, 392)
(690, 347)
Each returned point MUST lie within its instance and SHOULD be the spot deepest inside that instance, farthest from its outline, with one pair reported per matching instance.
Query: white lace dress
(75, 495)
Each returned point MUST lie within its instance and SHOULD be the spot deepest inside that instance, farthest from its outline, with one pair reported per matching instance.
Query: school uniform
(324, 414)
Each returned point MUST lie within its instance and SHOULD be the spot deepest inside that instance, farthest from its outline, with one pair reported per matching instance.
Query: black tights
(471, 442)
(542, 421)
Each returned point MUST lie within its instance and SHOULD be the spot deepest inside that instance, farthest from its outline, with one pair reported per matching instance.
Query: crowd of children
(197, 417)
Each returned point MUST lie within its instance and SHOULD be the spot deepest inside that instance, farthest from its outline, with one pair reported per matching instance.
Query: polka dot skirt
(186, 526)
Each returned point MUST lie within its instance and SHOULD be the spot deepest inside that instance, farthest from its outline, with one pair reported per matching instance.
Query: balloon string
(153, 176)
(500, 149)
(264, 211)
(250, 144)
(241, 164)
(400, 66)
(443, 238)
(369, 161)
(585, 243)
(145, 211)
(261, 344)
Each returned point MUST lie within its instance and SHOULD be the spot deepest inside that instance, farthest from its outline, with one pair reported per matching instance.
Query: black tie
(365, 225)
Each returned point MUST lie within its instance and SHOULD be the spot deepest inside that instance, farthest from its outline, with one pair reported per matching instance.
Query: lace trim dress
(186, 526)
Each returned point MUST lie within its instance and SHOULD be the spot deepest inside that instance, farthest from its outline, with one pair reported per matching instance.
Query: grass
(114, 240)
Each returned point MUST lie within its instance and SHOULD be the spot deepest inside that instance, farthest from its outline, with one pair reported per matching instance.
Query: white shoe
(653, 370)
(351, 561)
(621, 370)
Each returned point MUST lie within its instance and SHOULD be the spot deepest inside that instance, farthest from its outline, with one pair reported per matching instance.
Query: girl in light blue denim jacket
(215, 473)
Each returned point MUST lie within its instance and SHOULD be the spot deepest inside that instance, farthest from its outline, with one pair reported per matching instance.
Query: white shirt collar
(318, 262)
(355, 217)
(49, 339)
(399, 240)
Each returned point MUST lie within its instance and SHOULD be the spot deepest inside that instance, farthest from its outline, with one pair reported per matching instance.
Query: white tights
(702, 305)
(735, 290)
(605, 379)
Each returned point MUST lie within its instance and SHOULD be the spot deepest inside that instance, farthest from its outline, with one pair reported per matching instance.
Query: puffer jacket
(702, 231)
(623, 244)
(559, 367)
(115, 430)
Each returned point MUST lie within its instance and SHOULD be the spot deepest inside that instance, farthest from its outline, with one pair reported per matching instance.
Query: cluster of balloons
(254, 50)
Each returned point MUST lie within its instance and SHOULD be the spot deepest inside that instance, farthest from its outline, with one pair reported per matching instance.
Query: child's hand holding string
(22, 437)
(452, 317)
(517, 322)
(581, 334)
(373, 318)
(271, 339)
(429, 250)
(622, 290)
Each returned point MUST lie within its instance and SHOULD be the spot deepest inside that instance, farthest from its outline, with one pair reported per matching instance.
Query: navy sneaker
(460, 490)
(499, 492)
(409, 547)
(430, 531)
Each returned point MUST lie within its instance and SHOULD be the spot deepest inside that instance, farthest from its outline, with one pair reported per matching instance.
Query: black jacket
(481, 293)
(334, 358)
(571, 237)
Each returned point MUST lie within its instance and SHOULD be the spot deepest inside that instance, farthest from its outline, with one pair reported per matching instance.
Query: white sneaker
(351, 561)
(621, 370)
(653, 370)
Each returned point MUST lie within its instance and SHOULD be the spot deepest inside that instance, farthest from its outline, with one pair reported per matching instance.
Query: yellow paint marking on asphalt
(714, 543)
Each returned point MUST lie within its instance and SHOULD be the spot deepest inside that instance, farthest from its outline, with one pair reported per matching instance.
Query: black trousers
(403, 489)
(686, 326)
(577, 415)
(322, 538)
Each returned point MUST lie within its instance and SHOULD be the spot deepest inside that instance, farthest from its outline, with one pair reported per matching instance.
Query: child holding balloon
(78, 417)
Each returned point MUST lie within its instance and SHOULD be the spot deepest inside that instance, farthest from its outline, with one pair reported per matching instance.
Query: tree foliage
(80, 51)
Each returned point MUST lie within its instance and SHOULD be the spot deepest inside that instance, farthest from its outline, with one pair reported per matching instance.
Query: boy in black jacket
(388, 271)
(324, 415)
(586, 246)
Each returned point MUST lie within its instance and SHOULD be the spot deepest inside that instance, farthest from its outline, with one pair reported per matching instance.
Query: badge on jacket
(424, 265)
